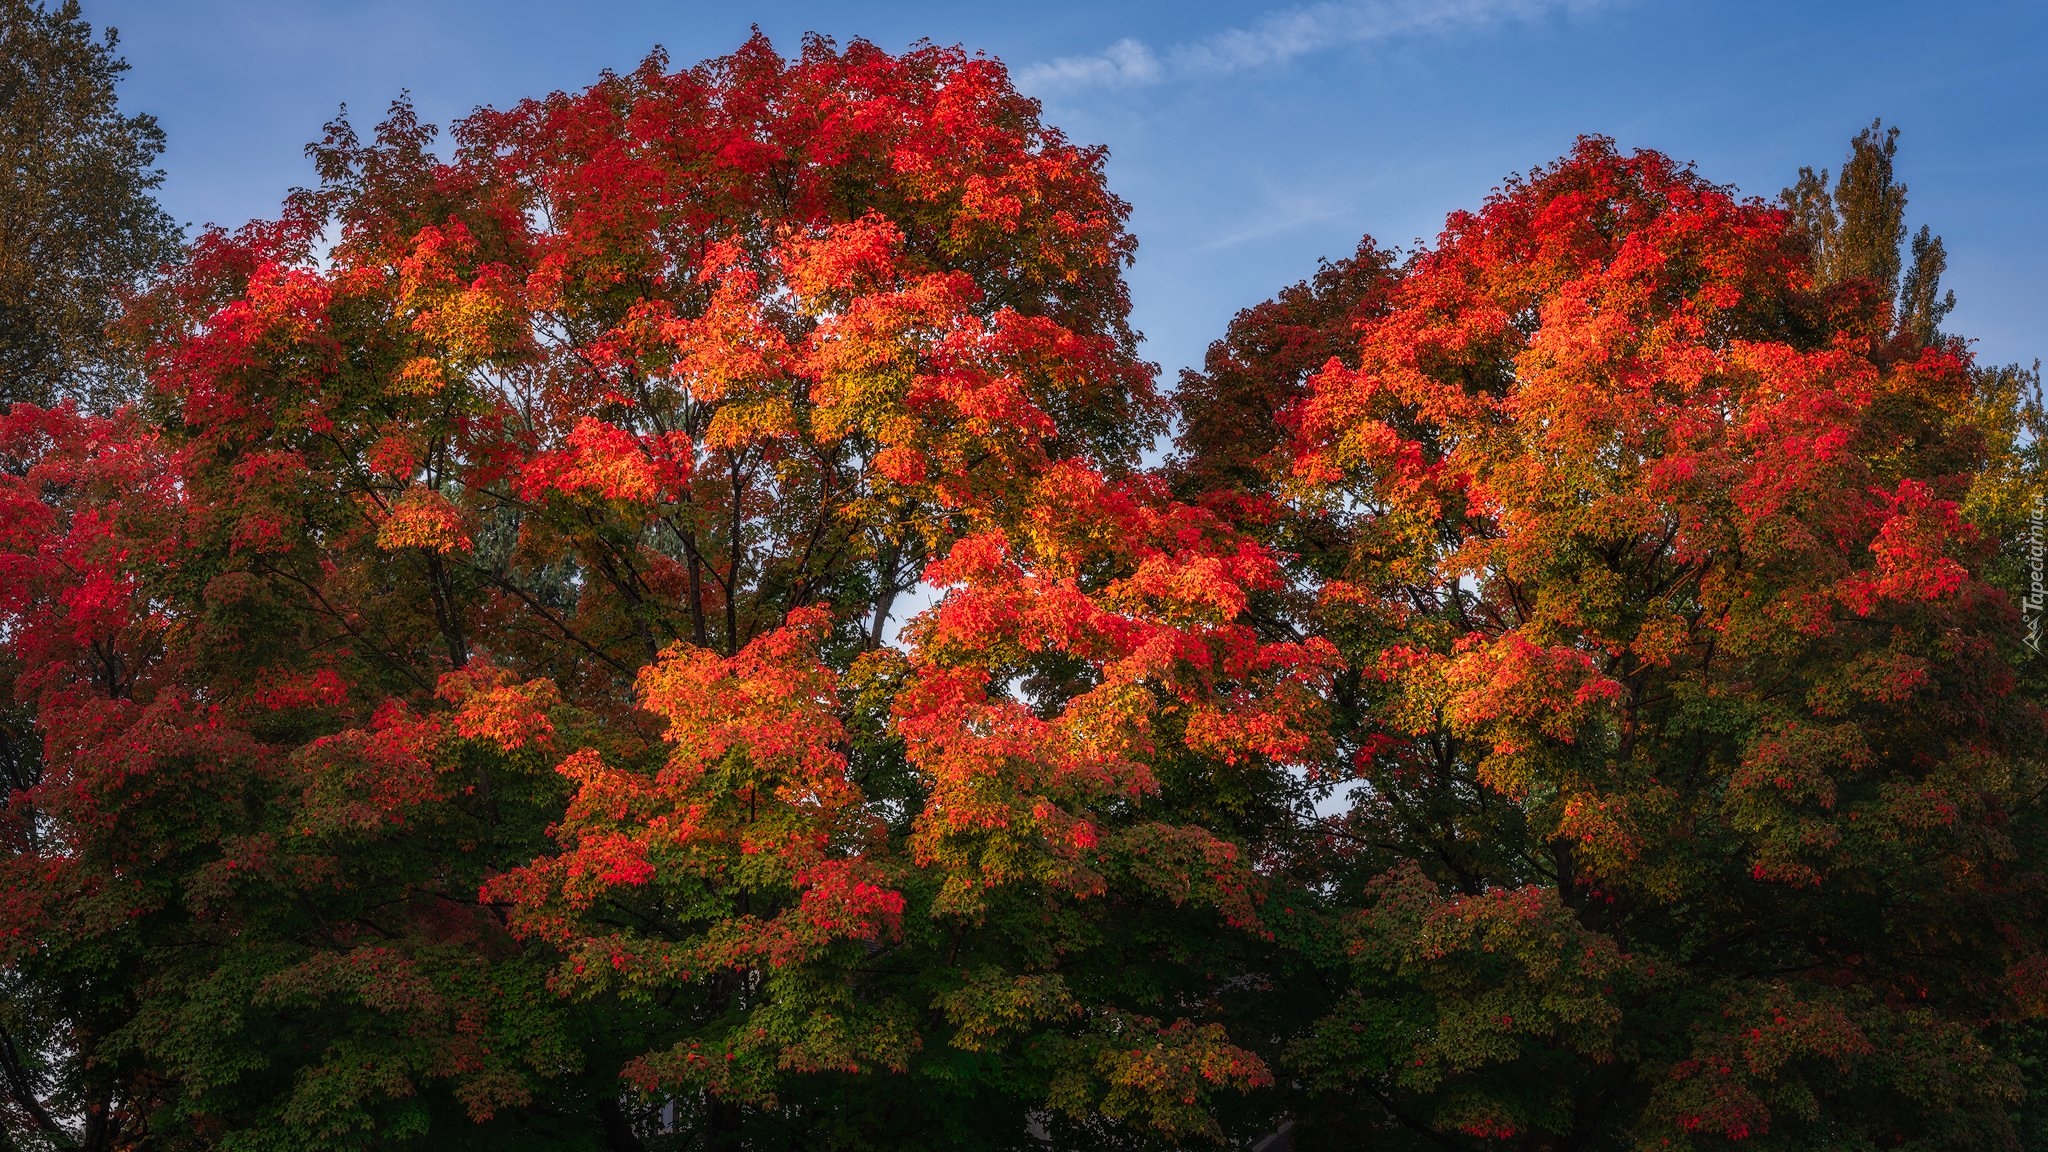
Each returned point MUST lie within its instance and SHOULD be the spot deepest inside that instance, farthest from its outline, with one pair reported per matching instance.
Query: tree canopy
(1564, 690)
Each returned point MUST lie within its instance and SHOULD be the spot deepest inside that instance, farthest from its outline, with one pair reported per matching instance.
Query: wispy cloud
(1124, 64)
(1281, 36)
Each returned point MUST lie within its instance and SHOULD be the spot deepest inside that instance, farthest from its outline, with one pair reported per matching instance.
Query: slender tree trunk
(618, 1131)
(15, 1072)
(732, 565)
(444, 612)
(887, 599)
(696, 568)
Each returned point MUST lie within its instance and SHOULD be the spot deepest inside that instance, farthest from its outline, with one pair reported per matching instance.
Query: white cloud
(1123, 64)
(1280, 36)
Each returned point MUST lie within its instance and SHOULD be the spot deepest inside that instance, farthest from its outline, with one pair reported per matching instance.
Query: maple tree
(1556, 695)
(465, 684)
(1691, 785)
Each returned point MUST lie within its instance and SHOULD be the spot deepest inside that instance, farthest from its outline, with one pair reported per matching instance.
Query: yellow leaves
(1128, 1067)
(468, 310)
(1663, 637)
(1502, 968)
(420, 376)
(742, 424)
(473, 324)
(1105, 735)
(991, 1008)
(1190, 590)
(423, 518)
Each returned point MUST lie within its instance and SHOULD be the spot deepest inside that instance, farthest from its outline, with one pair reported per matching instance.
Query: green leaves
(1557, 694)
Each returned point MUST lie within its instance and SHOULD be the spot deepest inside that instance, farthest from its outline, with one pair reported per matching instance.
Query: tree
(1856, 233)
(1230, 411)
(79, 223)
(462, 717)
(466, 688)
(1695, 797)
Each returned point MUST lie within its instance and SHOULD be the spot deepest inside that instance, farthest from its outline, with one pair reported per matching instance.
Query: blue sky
(1250, 139)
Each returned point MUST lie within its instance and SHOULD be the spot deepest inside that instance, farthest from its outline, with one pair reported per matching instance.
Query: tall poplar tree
(1857, 231)
(79, 222)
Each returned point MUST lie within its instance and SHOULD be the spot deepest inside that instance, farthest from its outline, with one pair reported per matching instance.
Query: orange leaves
(1273, 711)
(614, 393)
(608, 462)
(1512, 690)
(733, 346)
(285, 309)
(1517, 699)
(954, 400)
(772, 703)
(903, 465)
(1343, 428)
(467, 322)
(1012, 790)
(1671, 628)
(395, 456)
(1570, 365)
(997, 777)
(1627, 576)
(844, 262)
(754, 788)
(493, 706)
(423, 518)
